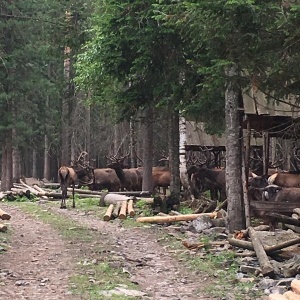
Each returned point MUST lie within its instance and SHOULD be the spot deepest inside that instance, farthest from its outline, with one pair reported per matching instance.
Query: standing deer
(68, 176)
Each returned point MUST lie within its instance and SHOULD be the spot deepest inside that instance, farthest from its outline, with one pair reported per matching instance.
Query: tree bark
(34, 164)
(182, 158)
(236, 220)
(47, 173)
(16, 164)
(133, 158)
(147, 128)
(173, 142)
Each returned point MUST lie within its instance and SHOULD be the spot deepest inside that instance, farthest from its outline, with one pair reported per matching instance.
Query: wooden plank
(283, 218)
(270, 206)
(266, 267)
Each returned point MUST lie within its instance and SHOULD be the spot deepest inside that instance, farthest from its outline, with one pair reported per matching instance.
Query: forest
(114, 77)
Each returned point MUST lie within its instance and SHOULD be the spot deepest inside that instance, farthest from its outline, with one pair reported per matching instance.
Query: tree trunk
(147, 129)
(34, 164)
(47, 174)
(88, 130)
(133, 158)
(236, 220)
(182, 157)
(173, 142)
(65, 143)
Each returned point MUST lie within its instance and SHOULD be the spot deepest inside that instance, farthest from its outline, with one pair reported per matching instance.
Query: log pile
(120, 209)
(294, 294)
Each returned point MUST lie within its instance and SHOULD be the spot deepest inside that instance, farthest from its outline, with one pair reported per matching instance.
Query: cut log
(123, 210)
(277, 297)
(283, 218)
(297, 211)
(4, 215)
(32, 190)
(112, 198)
(170, 219)
(131, 211)
(266, 267)
(291, 295)
(87, 192)
(292, 227)
(116, 210)
(108, 213)
(295, 285)
(3, 227)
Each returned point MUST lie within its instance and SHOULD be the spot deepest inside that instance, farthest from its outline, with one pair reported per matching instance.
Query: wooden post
(245, 172)
(266, 146)
(108, 213)
(131, 211)
(4, 215)
(266, 267)
(123, 210)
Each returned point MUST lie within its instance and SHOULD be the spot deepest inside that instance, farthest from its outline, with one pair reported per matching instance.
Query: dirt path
(39, 264)
(150, 265)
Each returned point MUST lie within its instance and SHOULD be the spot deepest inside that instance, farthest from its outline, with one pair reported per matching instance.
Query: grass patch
(94, 272)
(220, 268)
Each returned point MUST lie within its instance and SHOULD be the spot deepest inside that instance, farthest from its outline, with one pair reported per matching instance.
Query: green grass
(220, 268)
(94, 271)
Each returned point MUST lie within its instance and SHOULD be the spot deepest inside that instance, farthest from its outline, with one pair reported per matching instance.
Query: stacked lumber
(120, 209)
(3, 216)
(294, 294)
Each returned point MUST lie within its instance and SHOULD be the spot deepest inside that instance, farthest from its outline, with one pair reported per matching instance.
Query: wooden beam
(266, 267)
(170, 219)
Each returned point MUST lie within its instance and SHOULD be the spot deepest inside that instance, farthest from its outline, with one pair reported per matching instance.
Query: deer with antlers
(68, 176)
(130, 178)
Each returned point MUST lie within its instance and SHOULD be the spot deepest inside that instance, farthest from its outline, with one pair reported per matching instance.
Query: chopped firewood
(266, 267)
(3, 227)
(4, 215)
(130, 209)
(169, 219)
(295, 216)
(295, 285)
(297, 211)
(108, 213)
(122, 214)
(291, 295)
(277, 297)
(112, 198)
(193, 246)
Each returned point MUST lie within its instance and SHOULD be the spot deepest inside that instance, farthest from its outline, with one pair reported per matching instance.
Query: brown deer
(68, 176)
(129, 178)
(106, 178)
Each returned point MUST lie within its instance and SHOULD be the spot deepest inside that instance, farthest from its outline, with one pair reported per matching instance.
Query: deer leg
(73, 194)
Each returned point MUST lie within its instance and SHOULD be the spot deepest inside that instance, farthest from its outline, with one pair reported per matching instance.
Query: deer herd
(116, 177)
(277, 186)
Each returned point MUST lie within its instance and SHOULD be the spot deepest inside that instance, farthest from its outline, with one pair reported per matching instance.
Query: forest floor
(73, 254)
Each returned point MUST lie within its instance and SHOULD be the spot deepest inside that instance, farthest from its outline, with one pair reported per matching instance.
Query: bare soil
(40, 262)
